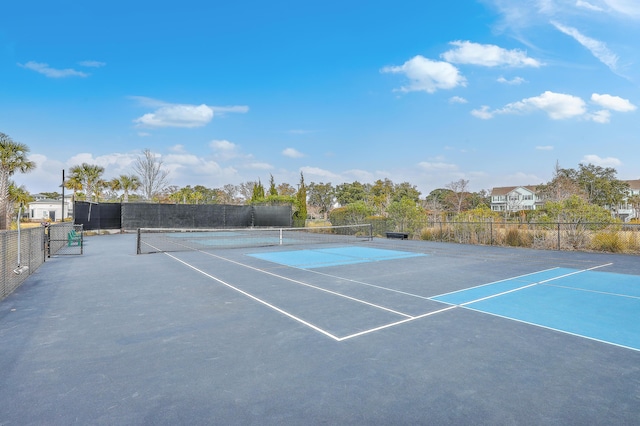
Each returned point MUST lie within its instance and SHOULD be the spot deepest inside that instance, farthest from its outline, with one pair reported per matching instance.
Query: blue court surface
(324, 257)
(596, 305)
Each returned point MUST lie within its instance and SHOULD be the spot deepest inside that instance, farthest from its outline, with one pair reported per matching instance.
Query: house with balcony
(514, 198)
(517, 198)
(626, 210)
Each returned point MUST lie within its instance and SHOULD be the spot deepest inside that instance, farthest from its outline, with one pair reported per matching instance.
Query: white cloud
(177, 116)
(46, 70)
(426, 75)
(184, 159)
(597, 48)
(457, 100)
(115, 160)
(318, 172)
(599, 161)
(561, 106)
(292, 153)
(602, 116)
(589, 6)
(614, 103)
(221, 110)
(437, 166)
(223, 145)
(488, 55)
(544, 147)
(225, 150)
(513, 82)
(521, 178)
(92, 64)
(484, 113)
(630, 8)
(361, 176)
(258, 166)
(558, 106)
(180, 115)
(190, 169)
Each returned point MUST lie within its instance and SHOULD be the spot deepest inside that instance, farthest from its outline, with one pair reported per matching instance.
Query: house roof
(47, 201)
(633, 184)
(504, 190)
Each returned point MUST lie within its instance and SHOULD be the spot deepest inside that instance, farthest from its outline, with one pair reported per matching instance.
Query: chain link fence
(597, 237)
(22, 252)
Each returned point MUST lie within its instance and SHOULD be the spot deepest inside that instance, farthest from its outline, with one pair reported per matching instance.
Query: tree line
(401, 203)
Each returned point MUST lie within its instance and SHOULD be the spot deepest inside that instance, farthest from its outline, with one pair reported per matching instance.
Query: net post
(138, 250)
(280, 236)
(371, 232)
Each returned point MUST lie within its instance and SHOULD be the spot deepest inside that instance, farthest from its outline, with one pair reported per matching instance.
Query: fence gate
(64, 239)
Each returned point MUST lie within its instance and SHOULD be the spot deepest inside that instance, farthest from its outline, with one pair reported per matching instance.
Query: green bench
(73, 238)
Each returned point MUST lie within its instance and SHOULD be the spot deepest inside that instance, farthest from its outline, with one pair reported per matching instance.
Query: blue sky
(491, 91)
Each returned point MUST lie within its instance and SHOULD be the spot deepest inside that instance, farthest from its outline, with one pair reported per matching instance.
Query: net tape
(154, 240)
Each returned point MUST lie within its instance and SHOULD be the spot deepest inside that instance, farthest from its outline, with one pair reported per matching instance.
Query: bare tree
(228, 194)
(459, 193)
(153, 178)
(561, 187)
(246, 190)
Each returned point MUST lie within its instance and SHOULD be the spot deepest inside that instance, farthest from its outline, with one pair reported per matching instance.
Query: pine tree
(300, 216)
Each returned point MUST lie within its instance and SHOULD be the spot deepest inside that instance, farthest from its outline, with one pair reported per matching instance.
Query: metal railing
(22, 252)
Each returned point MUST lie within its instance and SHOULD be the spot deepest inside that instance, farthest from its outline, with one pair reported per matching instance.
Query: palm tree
(125, 183)
(75, 184)
(89, 177)
(18, 195)
(13, 157)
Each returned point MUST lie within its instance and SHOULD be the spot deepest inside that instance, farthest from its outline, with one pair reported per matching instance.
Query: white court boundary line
(495, 282)
(308, 285)
(555, 329)
(263, 302)
(608, 293)
(544, 282)
(407, 318)
(393, 324)
(491, 296)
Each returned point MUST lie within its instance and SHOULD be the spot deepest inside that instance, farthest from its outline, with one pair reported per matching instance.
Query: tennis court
(358, 331)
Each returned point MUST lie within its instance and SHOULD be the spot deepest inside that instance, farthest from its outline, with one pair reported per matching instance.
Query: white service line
(275, 308)
(393, 324)
(310, 285)
(300, 320)
(360, 282)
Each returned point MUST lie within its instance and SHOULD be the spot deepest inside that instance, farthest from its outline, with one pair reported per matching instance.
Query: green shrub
(518, 238)
(427, 234)
(608, 241)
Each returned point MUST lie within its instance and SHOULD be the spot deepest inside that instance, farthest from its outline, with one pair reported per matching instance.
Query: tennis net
(154, 240)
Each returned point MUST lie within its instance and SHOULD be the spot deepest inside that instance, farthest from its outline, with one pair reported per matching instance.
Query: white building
(514, 198)
(627, 211)
(49, 209)
(517, 198)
